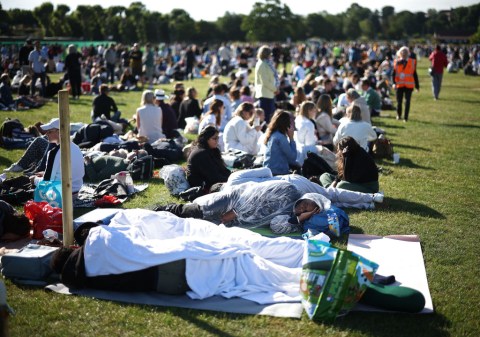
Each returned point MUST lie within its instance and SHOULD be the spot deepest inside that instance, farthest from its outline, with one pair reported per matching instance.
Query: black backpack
(6, 130)
(314, 165)
(141, 168)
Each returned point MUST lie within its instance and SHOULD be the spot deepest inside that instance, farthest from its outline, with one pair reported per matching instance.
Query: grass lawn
(433, 192)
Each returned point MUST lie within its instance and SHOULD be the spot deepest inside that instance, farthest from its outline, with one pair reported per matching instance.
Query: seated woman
(213, 116)
(298, 97)
(304, 136)
(149, 118)
(31, 159)
(281, 149)
(354, 127)
(326, 125)
(127, 81)
(53, 171)
(356, 169)
(205, 165)
(238, 134)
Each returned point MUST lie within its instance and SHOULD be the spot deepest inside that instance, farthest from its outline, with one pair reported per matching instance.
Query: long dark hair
(202, 143)
(281, 122)
(346, 147)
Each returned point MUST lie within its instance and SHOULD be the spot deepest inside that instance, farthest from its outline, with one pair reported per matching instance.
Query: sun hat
(160, 94)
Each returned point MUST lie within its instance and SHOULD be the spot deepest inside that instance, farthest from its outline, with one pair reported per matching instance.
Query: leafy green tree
(156, 25)
(316, 25)
(353, 16)
(113, 18)
(229, 27)
(206, 31)
(59, 25)
(181, 26)
(43, 14)
(269, 21)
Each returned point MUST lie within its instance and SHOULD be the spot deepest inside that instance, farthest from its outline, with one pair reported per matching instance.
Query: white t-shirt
(150, 122)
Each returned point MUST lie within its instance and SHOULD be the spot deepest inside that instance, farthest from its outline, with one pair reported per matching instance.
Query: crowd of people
(324, 108)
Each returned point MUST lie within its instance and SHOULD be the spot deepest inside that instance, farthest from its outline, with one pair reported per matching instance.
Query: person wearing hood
(313, 213)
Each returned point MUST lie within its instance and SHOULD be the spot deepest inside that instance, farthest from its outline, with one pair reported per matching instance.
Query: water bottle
(129, 183)
(50, 235)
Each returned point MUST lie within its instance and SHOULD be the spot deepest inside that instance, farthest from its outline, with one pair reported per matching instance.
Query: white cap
(53, 124)
(160, 94)
(3, 299)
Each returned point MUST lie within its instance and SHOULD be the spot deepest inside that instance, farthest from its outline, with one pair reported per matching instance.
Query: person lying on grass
(260, 197)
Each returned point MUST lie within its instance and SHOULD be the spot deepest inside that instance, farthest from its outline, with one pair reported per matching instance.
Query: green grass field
(433, 192)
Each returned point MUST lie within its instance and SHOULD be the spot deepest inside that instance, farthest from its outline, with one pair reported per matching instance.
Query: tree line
(267, 21)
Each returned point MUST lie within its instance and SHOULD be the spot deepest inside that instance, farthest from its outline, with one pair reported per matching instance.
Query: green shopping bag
(333, 280)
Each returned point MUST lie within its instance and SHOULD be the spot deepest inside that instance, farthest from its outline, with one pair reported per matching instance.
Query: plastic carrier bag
(43, 217)
(49, 191)
(333, 280)
(174, 178)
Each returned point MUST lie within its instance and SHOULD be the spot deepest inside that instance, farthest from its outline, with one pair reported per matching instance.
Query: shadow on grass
(395, 324)
(410, 164)
(412, 147)
(5, 161)
(407, 206)
(467, 126)
(191, 317)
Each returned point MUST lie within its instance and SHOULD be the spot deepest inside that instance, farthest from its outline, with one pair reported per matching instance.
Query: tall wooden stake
(66, 163)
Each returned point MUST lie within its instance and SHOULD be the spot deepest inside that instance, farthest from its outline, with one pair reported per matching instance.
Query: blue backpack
(333, 222)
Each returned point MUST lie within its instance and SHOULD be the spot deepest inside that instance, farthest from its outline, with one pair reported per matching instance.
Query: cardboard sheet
(398, 255)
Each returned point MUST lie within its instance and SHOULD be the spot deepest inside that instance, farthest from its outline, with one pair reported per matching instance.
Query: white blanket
(219, 261)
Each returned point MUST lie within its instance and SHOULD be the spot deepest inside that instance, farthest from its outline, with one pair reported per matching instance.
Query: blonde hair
(305, 108)
(399, 52)
(147, 97)
(264, 52)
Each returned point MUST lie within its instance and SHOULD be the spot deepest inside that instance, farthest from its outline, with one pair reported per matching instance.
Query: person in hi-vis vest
(404, 80)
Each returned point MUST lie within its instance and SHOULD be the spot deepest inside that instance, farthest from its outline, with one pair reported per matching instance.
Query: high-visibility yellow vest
(404, 73)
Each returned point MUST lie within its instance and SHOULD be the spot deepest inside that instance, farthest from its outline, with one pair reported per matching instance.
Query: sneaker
(378, 197)
(14, 168)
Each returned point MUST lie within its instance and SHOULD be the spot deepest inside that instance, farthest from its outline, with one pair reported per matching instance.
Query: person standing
(189, 108)
(110, 56)
(36, 60)
(266, 82)
(439, 62)
(404, 80)
(136, 57)
(73, 66)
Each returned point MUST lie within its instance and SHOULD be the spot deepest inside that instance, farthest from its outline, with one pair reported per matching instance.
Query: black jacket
(204, 167)
(359, 167)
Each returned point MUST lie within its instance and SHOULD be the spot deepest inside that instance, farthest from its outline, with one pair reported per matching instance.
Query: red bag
(43, 216)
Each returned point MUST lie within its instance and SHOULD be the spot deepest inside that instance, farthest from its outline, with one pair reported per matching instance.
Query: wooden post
(66, 164)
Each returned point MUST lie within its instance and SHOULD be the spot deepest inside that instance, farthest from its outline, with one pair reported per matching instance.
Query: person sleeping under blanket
(156, 251)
